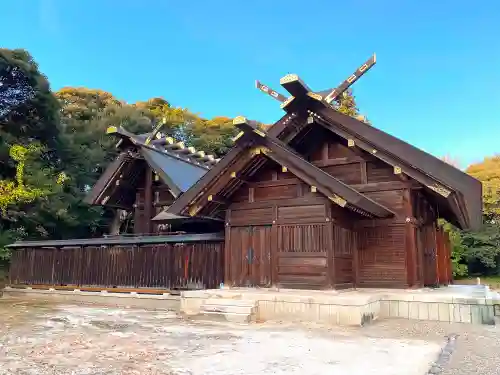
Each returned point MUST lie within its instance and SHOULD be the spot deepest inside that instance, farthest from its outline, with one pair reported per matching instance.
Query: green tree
(28, 109)
(484, 245)
(213, 136)
(17, 192)
(459, 255)
(86, 151)
(488, 172)
(29, 116)
(346, 104)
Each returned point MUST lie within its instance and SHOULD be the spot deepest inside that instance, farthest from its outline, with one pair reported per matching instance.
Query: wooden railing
(171, 262)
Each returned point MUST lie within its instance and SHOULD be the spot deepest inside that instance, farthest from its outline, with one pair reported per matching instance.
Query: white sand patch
(85, 340)
(296, 352)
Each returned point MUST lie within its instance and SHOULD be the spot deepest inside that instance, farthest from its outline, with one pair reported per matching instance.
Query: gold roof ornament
(289, 78)
(111, 130)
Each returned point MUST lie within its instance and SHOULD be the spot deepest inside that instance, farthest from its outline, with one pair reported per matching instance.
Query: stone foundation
(135, 300)
(471, 305)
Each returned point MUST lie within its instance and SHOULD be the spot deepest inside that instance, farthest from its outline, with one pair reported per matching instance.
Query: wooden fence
(167, 264)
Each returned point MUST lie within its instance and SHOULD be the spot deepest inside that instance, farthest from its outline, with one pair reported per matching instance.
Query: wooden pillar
(227, 251)
(434, 245)
(355, 259)
(410, 240)
(440, 254)
(274, 248)
(330, 253)
(364, 176)
(148, 201)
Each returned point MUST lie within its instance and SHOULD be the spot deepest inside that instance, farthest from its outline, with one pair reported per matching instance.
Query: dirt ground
(37, 338)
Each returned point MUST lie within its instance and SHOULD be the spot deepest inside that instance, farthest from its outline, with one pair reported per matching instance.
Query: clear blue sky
(436, 83)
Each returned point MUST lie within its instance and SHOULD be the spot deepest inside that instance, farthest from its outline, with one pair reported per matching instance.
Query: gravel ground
(69, 339)
(477, 349)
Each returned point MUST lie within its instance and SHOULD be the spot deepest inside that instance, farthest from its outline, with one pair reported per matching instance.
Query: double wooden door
(250, 256)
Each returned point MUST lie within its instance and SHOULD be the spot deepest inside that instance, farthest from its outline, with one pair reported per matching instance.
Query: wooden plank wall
(192, 265)
(387, 253)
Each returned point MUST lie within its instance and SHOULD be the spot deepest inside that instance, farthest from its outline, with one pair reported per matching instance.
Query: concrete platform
(474, 304)
(462, 304)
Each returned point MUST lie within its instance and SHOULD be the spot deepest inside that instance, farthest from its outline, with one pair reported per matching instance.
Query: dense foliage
(479, 252)
(53, 148)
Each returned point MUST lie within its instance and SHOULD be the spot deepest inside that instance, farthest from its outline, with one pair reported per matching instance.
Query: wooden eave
(108, 177)
(134, 147)
(328, 185)
(197, 189)
(460, 191)
(250, 159)
(226, 162)
(453, 187)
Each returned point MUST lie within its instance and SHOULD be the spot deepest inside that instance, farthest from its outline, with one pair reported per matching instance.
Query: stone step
(228, 309)
(228, 302)
(225, 317)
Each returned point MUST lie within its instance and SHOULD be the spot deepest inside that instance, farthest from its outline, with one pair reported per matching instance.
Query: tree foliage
(488, 172)
(480, 249)
(29, 141)
(28, 109)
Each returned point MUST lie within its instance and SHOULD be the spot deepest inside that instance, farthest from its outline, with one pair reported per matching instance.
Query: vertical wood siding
(191, 265)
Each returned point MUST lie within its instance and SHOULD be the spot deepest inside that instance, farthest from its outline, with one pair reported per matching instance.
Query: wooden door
(430, 256)
(250, 261)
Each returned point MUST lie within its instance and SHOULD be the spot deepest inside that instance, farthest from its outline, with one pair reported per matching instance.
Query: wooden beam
(219, 183)
(386, 185)
(338, 161)
(274, 94)
(155, 131)
(331, 94)
(430, 183)
(217, 199)
(294, 85)
(148, 201)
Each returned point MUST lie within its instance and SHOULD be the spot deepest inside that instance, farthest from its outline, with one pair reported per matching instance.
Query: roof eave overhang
(107, 178)
(298, 166)
(454, 198)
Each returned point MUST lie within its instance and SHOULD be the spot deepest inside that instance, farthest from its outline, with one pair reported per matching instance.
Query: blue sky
(436, 83)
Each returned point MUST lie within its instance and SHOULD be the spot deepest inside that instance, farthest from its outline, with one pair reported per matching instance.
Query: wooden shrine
(320, 200)
(324, 200)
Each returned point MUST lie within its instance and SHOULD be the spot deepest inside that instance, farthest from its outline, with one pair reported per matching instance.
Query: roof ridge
(171, 147)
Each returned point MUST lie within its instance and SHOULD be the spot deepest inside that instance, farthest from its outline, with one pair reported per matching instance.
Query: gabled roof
(337, 191)
(178, 166)
(224, 164)
(331, 187)
(458, 193)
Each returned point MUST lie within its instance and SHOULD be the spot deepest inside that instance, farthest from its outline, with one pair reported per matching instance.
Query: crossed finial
(328, 96)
